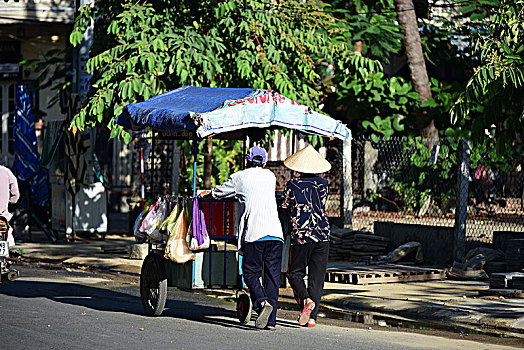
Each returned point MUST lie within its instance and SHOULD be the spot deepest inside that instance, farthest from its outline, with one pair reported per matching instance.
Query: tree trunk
(358, 46)
(208, 156)
(417, 66)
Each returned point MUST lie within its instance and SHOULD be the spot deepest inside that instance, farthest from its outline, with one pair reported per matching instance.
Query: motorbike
(6, 273)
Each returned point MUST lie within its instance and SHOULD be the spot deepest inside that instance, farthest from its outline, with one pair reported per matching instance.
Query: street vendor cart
(194, 113)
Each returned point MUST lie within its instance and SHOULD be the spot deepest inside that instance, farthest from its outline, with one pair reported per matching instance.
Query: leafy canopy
(495, 91)
(148, 49)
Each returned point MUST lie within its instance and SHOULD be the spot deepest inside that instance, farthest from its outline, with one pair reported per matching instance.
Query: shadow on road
(202, 309)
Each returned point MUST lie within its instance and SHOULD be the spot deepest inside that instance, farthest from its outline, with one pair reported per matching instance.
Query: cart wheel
(244, 308)
(153, 285)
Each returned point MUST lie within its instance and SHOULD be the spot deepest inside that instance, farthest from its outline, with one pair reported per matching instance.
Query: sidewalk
(445, 304)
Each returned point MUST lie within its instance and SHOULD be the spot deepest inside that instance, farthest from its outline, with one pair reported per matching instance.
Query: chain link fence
(406, 181)
(415, 181)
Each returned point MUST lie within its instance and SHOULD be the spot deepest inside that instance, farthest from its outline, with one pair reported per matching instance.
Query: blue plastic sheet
(170, 112)
(212, 111)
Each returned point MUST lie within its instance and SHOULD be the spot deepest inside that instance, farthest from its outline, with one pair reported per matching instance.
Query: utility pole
(461, 214)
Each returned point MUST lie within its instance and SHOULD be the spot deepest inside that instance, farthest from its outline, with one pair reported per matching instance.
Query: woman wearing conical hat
(305, 198)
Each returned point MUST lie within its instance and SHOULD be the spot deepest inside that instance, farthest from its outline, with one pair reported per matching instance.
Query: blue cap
(255, 153)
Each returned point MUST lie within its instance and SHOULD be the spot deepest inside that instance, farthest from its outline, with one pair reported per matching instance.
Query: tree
(146, 49)
(417, 66)
(495, 94)
(371, 102)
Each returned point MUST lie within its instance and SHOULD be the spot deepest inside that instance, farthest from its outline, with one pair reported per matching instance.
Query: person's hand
(205, 193)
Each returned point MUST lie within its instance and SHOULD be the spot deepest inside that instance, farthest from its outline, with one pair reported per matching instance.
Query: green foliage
(496, 90)
(379, 103)
(372, 23)
(416, 178)
(145, 49)
(468, 13)
(153, 49)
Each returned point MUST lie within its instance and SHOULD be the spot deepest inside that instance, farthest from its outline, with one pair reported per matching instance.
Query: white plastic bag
(193, 242)
(149, 222)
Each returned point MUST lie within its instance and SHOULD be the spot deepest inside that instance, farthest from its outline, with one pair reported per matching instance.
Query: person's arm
(14, 193)
(324, 193)
(227, 189)
(286, 203)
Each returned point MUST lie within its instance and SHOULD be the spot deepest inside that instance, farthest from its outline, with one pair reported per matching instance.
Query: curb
(406, 319)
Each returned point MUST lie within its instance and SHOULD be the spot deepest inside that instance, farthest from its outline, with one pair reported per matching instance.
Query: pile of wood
(506, 280)
(356, 273)
(518, 282)
(352, 245)
(508, 284)
(367, 246)
(340, 244)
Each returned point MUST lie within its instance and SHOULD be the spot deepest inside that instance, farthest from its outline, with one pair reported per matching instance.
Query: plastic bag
(155, 218)
(176, 248)
(171, 218)
(198, 238)
(149, 221)
(160, 233)
(193, 242)
(140, 236)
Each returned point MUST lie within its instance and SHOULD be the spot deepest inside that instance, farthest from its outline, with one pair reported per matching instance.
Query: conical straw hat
(307, 160)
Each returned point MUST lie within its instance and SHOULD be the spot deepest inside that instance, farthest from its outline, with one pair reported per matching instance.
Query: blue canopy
(212, 111)
(170, 112)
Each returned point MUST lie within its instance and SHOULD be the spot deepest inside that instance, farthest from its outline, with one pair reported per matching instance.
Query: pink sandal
(306, 312)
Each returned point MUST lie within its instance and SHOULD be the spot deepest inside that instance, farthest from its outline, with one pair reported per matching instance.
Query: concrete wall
(437, 242)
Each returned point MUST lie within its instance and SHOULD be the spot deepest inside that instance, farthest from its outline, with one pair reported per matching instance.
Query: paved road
(58, 309)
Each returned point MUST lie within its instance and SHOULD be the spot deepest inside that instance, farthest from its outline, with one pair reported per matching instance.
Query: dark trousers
(314, 256)
(269, 255)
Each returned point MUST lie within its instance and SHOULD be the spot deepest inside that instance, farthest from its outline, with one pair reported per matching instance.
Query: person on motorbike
(9, 193)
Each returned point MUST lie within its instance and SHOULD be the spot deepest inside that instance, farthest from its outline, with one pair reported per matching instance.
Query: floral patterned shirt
(306, 199)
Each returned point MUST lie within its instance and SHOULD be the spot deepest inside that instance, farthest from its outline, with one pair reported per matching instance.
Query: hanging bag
(176, 248)
(161, 214)
(149, 222)
(140, 237)
(199, 238)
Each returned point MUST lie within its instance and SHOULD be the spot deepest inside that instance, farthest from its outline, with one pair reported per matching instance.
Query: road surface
(65, 309)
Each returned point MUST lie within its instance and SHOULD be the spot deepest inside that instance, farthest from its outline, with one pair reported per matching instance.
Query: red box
(218, 217)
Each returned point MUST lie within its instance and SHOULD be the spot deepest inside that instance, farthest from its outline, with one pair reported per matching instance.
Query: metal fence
(415, 181)
(400, 180)
(161, 165)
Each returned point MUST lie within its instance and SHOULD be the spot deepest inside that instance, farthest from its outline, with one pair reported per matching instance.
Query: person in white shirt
(260, 232)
